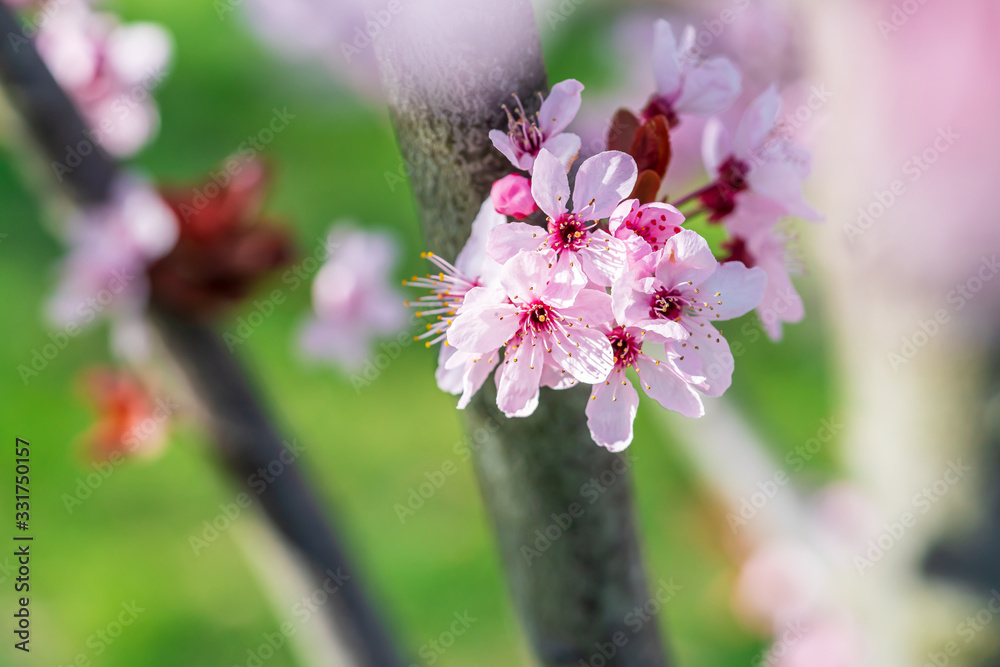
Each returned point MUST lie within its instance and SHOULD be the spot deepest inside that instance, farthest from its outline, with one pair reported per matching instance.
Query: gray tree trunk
(562, 506)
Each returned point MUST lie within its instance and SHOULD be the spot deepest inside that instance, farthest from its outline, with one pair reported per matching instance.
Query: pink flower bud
(512, 196)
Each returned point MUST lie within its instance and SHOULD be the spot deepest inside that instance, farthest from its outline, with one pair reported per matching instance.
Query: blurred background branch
(245, 435)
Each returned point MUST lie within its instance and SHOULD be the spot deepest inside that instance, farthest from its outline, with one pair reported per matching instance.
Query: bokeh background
(366, 446)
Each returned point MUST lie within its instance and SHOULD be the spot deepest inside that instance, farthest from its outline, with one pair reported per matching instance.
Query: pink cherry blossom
(511, 196)
(759, 158)
(459, 373)
(685, 83)
(829, 642)
(583, 251)
(108, 69)
(528, 135)
(644, 227)
(614, 402)
(679, 294)
(111, 246)
(779, 582)
(755, 241)
(353, 297)
(538, 317)
(337, 34)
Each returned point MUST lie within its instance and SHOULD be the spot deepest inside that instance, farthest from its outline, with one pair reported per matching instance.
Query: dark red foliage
(720, 198)
(649, 144)
(225, 246)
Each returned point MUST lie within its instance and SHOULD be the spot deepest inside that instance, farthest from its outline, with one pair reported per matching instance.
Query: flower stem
(692, 196)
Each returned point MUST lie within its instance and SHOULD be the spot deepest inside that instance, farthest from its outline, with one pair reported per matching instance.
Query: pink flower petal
(686, 258)
(449, 379)
(733, 291)
(592, 308)
(584, 353)
(670, 391)
(717, 361)
(508, 239)
(709, 88)
(564, 146)
(525, 277)
(602, 183)
(472, 261)
(501, 141)
(611, 412)
(476, 372)
(483, 329)
(603, 258)
(757, 123)
(666, 68)
(716, 146)
(522, 373)
(549, 184)
(560, 107)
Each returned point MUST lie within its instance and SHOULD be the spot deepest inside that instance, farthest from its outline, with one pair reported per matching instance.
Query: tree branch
(246, 438)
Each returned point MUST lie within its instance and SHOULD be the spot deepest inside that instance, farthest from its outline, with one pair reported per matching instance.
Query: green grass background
(365, 450)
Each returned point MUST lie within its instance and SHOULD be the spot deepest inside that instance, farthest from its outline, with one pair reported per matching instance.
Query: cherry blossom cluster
(614, 283)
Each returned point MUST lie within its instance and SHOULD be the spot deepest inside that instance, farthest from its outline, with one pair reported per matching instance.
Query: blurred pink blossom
(826, 643)
(354, 298)
(338, 34)
(780, 581)
(758, 158)
(109, 70)
(686, 83)
(110, 248)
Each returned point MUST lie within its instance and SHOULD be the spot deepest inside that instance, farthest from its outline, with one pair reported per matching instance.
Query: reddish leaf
(624, 125)
(651, 146)
(647, 187)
